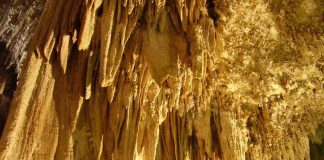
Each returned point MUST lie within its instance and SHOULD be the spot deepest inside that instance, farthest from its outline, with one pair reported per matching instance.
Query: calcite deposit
(165, 79)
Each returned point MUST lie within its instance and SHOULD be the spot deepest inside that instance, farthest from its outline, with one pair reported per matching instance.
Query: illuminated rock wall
(171, 79)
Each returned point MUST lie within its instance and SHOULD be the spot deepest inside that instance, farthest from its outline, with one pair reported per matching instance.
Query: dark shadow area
(316, 145)
(8, 83)
(212, 9)
(316, 151)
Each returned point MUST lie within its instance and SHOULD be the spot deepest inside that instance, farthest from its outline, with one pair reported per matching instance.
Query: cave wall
(166, 79)
(18, 20)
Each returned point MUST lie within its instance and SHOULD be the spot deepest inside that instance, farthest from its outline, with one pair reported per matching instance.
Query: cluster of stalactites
(175, 36)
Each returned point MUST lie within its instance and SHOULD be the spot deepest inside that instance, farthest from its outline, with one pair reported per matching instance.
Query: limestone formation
(163, 79)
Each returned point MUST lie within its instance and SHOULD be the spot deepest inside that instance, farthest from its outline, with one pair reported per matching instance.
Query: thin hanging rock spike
(87, 28)
(107, 23)
(65, 51)
(65, 40)
(51, 30)
(89, 77)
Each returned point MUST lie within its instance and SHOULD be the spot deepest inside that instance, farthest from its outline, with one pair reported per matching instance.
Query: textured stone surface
(162, 79)
(17, 22)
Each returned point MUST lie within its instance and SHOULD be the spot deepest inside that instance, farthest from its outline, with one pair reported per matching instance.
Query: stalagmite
(162, 79)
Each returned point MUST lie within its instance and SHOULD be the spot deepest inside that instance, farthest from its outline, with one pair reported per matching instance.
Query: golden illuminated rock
(170, 79)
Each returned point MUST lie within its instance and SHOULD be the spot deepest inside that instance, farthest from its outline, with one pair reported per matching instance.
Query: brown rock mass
(162, 79)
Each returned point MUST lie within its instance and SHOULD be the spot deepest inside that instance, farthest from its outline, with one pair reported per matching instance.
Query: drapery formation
(170, 79)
